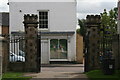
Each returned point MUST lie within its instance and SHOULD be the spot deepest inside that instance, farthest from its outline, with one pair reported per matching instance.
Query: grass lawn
(14, 76)
(98, 75)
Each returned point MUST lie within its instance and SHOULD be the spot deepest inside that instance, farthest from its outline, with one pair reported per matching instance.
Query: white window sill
(43, 29)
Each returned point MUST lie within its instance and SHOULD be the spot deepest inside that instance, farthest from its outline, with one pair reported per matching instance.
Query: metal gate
(17, 54)
(107, 52)
(106, 39)
(39, 53)
(22, 50)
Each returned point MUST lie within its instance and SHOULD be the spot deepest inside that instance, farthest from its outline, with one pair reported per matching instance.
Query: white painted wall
(72, 48)
(62, 18)
(62, 15)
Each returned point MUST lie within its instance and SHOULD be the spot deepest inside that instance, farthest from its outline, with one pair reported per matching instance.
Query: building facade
(57, 24)
(4, 23)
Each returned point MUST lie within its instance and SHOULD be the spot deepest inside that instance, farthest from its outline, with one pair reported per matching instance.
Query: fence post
(31, 31)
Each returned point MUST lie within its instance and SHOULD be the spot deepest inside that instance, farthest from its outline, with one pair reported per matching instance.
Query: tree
(109, 28)
(109, 20)
(81, 23)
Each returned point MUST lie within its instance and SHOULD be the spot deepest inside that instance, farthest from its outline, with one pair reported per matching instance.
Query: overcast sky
(84, 7)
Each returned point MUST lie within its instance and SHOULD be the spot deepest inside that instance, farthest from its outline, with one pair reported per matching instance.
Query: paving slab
(62, 72)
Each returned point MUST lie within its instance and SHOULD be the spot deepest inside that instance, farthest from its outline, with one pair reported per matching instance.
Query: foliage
(109, 20)
(81, 23)
(108, 27)
(14, 76)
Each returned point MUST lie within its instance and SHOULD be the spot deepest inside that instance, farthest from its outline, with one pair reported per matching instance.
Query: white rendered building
(57, 23)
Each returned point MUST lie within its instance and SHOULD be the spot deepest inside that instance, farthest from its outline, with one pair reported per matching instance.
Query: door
(44, 52)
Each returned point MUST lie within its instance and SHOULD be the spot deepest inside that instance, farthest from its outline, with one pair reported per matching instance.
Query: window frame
(65, 59)
(46, 29)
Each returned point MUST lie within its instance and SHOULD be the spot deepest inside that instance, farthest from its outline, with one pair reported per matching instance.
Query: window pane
(40, 17)
(40, 13)
(40, 26)
(46, 22)
(40, 22)
(63, 48)
(53, 48)
(46, 16)
(46, 13)
(58, 49)
(45, 25)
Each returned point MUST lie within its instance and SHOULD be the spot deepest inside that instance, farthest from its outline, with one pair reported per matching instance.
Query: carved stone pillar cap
(93, 19)
(30, 19)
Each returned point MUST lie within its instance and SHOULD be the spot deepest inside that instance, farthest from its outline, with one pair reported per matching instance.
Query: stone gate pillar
(31, 24)
(5, 51)
(92, 55)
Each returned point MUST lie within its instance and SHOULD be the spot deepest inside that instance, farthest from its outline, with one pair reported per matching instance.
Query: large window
(43, 19)
(58, 49)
